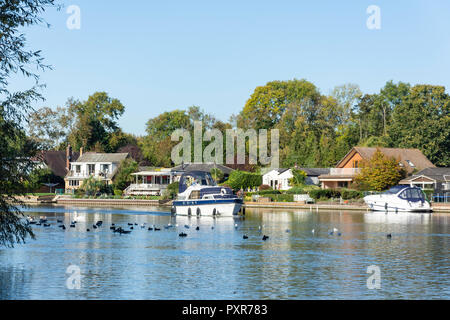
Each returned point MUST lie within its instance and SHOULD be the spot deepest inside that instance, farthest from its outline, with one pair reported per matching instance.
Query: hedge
(243, 180)
(334, 193)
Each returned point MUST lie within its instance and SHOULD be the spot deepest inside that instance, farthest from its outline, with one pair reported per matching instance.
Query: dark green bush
(351, 194)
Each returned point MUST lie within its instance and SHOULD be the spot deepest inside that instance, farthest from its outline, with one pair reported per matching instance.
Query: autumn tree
(379, 172)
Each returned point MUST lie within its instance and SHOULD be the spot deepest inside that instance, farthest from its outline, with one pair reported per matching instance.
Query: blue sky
(158, 56)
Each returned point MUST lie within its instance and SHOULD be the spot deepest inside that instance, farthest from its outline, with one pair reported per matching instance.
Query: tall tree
(95, 125)
(15, 149)
(422, 120)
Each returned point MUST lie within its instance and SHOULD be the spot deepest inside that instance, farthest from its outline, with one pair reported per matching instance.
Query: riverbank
(437, 207)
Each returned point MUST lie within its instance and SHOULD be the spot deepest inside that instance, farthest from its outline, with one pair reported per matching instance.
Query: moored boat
(200, 196)
(399, 198)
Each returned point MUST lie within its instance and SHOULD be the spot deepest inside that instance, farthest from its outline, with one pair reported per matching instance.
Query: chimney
(81, 151)
(68, 157)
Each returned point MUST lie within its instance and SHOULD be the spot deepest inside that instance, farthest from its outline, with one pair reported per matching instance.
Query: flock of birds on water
(43, 221)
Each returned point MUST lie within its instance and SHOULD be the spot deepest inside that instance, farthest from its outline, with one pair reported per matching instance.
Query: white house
(278, 179)
(150, 181)
(99, 165)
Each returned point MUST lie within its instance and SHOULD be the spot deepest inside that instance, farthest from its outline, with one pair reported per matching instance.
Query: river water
(215, 262)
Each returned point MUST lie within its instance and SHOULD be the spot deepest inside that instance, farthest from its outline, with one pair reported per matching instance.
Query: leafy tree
(243, 180)
(422, 120)
(298, 178)
(380, 172)
(92, 186)
(172, 190)
(123, 177)
(95, 125)
(47, 127)
(217, 174)
(16, 149)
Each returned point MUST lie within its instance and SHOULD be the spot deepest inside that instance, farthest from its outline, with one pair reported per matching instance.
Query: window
(91, 168)
(410, 163)
(342, 184)
(355, 163)
(105, 168)
(74, 183)
(195, 195)
(78, 169)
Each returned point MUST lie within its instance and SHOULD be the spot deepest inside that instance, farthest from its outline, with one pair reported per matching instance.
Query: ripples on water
(219, 264)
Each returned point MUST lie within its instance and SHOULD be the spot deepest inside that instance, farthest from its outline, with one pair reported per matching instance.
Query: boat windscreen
(195, 178)
(395, 189)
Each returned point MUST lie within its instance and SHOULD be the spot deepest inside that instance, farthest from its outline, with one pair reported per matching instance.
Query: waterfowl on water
(157, 229)
(63, 227)
(182, 234)
(94, 226)
(265, 237)
(46, 224)
(186, 226)
(87, 230)
(198, 228)
(99, 223)
(72, 225)
(287, 230)
(244, 237)
(150, 229)
(59, 221)
(389, 236)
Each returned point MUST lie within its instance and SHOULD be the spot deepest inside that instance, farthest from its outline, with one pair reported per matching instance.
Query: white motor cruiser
(200, 196)
(399, 198)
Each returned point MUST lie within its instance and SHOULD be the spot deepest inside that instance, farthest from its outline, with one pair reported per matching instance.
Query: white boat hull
(207, 208)
(386, 203)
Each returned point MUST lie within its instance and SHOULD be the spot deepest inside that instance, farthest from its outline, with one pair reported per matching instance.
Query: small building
(343, 175)
(432, 179)
(102, 166)
(278, 179)
(150, 181)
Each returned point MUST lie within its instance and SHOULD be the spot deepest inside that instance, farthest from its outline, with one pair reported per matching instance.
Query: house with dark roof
(206, 167)
(102, 166)
(347, 169)
(279, 178)
(432, 179)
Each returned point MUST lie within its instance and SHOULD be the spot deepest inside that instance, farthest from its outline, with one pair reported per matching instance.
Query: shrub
(281, 197)
(296, 190)
(351, 194)
(117, 192)
(172, 191)
(243, 180)
(324, 194)
(264, 187)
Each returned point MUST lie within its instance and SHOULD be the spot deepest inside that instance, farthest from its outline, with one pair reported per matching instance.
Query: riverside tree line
(316, 129)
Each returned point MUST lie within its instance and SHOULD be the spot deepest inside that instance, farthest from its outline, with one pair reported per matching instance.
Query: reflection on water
(215, 262)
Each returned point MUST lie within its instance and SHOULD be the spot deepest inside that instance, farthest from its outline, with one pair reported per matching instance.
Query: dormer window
(410, 163)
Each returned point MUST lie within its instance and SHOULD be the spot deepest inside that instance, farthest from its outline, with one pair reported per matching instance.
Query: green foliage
(92, 186)
(95, 123)
(298, 178)
(217, 174)
(40, 176)
(16, 150)
(172, 190)
(324, 194)
(347, 194)
(380, 172)
(118, 192)
(123, 177)
(243, 180)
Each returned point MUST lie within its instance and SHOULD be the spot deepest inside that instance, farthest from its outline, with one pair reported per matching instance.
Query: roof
(410, 158)
(315, 172)
(102, 157)
(437, 173)
(205, 167)
(56, 161)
